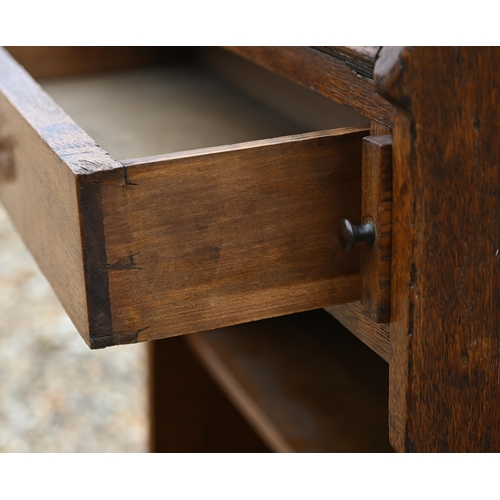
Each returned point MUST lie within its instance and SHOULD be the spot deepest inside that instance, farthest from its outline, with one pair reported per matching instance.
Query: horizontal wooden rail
(330, 75)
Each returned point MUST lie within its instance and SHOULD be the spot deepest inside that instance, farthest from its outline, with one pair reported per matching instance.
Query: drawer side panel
(43, 157)
(39, 193)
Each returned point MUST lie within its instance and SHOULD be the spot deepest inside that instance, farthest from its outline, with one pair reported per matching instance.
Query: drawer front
(168, 245)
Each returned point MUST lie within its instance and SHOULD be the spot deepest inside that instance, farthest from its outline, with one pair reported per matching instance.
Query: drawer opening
(174, 243)
(189, 99)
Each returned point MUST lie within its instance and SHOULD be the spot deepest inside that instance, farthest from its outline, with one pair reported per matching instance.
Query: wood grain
(45, 155)
(374, 335)
(377, 209)
(328, 75)
(208, 238)
(303, 382)
(444, 371)
(50, 62)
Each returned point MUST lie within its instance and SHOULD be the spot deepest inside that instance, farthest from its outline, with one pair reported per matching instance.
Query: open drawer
(147, 248)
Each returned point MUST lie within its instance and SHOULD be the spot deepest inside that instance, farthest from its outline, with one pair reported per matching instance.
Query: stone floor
(56, 395)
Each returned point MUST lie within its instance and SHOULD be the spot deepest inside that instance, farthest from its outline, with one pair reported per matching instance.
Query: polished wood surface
(302, 381)
(208, 238)
(325, 73)
(444, 371)
(377, 209)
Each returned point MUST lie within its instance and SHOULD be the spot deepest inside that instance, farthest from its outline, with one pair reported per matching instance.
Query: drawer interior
(163, 221)
(198, 99)
(164, 109)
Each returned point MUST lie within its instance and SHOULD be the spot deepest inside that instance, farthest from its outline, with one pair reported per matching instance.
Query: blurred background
(56, 395)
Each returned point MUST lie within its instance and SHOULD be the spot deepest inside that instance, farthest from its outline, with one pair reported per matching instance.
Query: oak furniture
(237, 242)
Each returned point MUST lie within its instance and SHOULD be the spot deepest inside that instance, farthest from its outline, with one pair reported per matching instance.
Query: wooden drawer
(148, 248)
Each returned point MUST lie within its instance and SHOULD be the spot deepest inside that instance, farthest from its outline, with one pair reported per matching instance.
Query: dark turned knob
(350, 234)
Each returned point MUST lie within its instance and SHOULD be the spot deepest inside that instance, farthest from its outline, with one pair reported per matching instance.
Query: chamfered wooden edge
(444, 389)
(377, 209)
(327, 73)
(49, 149)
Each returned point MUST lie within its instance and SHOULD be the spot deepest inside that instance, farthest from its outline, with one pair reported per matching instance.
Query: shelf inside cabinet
(303, 381)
